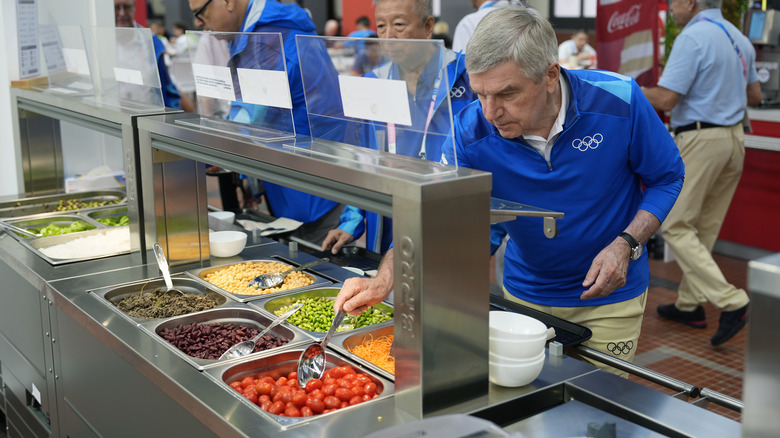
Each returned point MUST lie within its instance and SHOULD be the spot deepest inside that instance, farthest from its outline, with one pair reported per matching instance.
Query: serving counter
(114, 379)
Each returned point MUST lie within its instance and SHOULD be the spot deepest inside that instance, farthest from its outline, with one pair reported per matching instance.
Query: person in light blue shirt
(707, 83)
(363, 31)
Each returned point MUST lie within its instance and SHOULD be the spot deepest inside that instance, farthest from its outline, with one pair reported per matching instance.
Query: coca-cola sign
(620, 21)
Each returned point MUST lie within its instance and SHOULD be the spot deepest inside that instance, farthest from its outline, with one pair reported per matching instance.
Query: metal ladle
(163, 264)
(311, 365)
(245, 347)
(271, 279)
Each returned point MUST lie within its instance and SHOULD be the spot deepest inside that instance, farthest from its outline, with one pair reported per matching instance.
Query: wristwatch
(636, 248)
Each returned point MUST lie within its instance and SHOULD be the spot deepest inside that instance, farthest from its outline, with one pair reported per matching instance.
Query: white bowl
(514, 326)
(518, 348)
(224, 216)
(226, 243)
(504, 360)
(514, 375)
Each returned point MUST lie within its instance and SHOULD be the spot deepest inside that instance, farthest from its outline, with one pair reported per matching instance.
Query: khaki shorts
(615, 327)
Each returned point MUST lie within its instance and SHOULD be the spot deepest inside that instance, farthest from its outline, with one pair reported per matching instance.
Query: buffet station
(96, 344)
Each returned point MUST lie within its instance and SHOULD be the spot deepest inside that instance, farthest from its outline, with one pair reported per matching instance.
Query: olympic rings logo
(457, 92)
(620, 348)
(589, 142)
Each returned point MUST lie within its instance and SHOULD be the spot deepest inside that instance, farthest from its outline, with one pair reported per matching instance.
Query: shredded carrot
(377, 351)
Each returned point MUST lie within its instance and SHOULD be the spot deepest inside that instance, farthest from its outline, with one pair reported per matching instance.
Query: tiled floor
(685, 353)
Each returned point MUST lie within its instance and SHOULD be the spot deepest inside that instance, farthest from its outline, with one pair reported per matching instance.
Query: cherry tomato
(311, 385)
(264, 387)
(236, 385)
(267, 379)
(306, 411)
(263, 398)
(317, 406)
(344, 384)
(285, 394)
(276, 408)
(328, 381)
(357, 390)
(281, 381)
(318, 394)
(293, 375)
(337, 372)
(247, 381)
(348, 370)
(366, 397)
(264, 405)
(370, 388)
(331, 402)
(326, 375)
(251, 394)
(349, 377)
(344, 404)
(362, 378)
(355, 400)
(299, 399)
(329, 389)
(344, 394)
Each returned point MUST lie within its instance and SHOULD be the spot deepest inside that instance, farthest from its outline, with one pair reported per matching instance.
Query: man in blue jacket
(318, 214)
(407, 19)
(582, 142)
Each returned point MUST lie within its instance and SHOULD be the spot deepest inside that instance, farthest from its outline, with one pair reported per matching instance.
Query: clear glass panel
(394, 98)
(241, 84)
(66, 60)
(126, 69)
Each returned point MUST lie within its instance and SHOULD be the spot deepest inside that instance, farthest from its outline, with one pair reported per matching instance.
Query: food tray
(201, 274)
(342, 342)
(107, 213)
(111, 295)
(42, 220)
(48, 203)
(283, 363)
(36, 244)
(567, 333)
(272, 304)
(229, 313)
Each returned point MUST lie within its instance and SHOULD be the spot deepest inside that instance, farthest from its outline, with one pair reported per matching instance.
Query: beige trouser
(713, 165)
(615, 327)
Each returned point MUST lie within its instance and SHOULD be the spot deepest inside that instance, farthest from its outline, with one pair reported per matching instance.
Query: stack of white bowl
(516, 348)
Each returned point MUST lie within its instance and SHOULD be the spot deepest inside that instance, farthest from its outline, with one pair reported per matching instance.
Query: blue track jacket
(612, 140)
(289, 20)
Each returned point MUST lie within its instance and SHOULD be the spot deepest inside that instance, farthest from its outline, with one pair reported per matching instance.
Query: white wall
(59, 12)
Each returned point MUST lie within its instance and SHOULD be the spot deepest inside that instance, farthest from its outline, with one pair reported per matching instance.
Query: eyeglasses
(200, 10)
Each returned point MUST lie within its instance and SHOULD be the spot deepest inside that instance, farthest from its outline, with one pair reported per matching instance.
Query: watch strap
(633, 243)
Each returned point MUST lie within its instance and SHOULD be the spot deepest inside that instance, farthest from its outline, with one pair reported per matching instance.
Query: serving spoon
(19, 230)
(162, 262)
(311, 365)
(245, 347)
(271, 279)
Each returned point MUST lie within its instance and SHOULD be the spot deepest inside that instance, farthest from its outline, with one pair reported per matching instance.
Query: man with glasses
(583, 142)
(318, 215)
(124, 16)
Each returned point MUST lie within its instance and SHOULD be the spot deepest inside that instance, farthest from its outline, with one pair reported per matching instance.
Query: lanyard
(734, 44)
(391, 134)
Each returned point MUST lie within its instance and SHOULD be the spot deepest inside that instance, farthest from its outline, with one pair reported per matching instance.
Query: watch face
(636, 253)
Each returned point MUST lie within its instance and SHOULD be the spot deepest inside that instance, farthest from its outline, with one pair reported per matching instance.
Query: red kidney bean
(209, 341)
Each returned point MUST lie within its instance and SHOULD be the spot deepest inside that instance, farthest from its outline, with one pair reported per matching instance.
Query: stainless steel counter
(113, 378)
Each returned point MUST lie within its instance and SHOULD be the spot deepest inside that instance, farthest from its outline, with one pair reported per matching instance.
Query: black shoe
(730, 324)
(695, 318)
